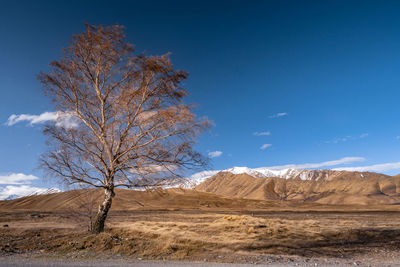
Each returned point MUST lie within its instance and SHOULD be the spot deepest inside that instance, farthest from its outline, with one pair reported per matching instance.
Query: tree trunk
(98, 224)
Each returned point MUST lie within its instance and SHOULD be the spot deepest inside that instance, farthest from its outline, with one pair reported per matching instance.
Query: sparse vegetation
(195, 235)
(83, 208)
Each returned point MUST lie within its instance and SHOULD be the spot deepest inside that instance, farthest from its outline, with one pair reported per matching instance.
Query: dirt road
(25, 261)
(45, 262)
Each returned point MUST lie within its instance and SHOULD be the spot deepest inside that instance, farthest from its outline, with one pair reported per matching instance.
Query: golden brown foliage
(132, 127)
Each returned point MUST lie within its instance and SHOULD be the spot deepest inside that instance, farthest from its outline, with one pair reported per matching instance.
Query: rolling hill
(129, 200)
(319, 186)
(237, 189)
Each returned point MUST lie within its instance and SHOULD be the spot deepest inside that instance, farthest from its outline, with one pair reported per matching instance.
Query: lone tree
(127, 124)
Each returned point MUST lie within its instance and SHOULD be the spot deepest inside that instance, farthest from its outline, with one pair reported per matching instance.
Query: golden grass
(183, 235)
(238, 233)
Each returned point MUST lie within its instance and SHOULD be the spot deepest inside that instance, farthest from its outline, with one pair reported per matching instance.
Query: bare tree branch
(134, 131)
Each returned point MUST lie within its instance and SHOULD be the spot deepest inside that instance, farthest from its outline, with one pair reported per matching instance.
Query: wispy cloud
(338, 139)
(264, 146)
(154, 169)
(17, 178)
(262, 133)
(277, 115)
(215, 154)
(374, 168)
(346, 138)
(61, 119)
(345, 160)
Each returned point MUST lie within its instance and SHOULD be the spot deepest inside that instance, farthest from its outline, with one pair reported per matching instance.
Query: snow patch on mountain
(262, 172)
(13, 192)
(251, 172)
(197, 179)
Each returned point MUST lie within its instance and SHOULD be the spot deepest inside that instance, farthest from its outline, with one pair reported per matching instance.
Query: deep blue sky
(332, 66)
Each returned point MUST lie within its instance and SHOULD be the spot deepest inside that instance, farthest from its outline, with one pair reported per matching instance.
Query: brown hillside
(167, 200)
(126, 200)
(341, 188)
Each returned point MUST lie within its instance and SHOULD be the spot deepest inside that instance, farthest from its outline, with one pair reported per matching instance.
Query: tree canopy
(129, 125)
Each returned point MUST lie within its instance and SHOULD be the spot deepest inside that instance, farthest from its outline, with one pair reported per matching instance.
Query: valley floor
(295, 238)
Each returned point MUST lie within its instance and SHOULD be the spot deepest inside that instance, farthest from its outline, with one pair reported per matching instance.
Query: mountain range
(263, 172)
(292, 185)
(319, 186)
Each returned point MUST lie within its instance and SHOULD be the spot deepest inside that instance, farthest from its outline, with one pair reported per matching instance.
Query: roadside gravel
(13, 261)
(30, 260)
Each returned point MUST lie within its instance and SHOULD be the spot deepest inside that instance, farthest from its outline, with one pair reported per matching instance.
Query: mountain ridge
(265, 172)
(321, 186)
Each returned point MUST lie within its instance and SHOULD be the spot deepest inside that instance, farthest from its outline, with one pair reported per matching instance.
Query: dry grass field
(189, 225)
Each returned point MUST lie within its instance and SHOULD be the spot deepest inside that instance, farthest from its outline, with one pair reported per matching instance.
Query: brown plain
(256, 226)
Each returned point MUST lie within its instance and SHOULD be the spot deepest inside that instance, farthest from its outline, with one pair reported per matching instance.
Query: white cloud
(374, 168)
(346, 138)
(18, 185)
(339, 139)
(262, 133)
(345, 160)
(152, 168)
(23, 190)
(17, 178)
(277, 115)
(67, 120)
(61, 119)
(264, 146)
(215, 154)
(33, 119)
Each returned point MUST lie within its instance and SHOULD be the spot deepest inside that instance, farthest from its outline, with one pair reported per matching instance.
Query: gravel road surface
(43, 262)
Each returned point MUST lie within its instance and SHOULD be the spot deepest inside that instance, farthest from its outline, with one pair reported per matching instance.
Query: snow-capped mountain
(11, 197)
(196, 179)
(262, 172)
(26, 193)
(45, 191)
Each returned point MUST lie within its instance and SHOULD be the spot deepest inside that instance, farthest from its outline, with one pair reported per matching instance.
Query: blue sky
(329, 68)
